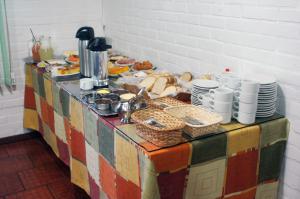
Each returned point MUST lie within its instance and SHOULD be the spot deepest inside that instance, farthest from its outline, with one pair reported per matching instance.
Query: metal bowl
(103, 104)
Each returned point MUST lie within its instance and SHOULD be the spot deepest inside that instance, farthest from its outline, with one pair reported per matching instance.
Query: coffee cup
(245, 97)
(204, 99)
(220, 107)
(226, 117)
(86, 84)
(244, 118)
(245, 107)
(221, 94)
(248, 86)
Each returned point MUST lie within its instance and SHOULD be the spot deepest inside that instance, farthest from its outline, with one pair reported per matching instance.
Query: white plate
(205, 83)
(262, 79)
(56, 61)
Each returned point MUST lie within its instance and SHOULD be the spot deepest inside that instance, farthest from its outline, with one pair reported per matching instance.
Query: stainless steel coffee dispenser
(98, 58)
(84, 34)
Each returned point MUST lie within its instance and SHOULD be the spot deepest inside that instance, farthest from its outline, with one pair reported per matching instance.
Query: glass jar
(35, 48)
(46, 50)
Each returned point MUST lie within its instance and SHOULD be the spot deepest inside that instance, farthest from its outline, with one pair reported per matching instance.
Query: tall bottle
(84, 34)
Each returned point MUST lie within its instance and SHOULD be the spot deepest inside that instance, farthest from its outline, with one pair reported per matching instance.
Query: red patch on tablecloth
(107, 178)
(63, 151)
(29, 99)
(171, 185)
(78, 146)
(241, 171)
(127, 189)
(44, 110)
(51, 118)
(171, 159)
(94, 189)
(41, 129)
(68, 130)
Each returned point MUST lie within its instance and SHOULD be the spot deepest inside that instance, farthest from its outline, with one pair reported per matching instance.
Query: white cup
(86, 83)
(226, 117)
(245, 107)
(244, 118)
(248, 86)
(204, 99)
(220, 107)
(233, 82)
(246, 97)
(221, 94)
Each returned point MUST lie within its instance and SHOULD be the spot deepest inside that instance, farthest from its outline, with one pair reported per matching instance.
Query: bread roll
(187, 76)
(148, 83)
(159, 85)
(168, 91)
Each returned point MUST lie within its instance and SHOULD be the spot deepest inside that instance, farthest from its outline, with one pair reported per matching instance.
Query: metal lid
(85, 33)
(98, 44)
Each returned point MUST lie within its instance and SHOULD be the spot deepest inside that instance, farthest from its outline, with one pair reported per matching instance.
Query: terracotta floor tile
(41, 175)
(3, 152)
(41, 157)
(64, 189)
(14, 164)
(10, 184)
(37, 193)
(25, 147)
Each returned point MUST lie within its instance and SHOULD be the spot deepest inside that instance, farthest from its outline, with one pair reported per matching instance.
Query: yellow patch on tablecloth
(28, 76)
(30, 119)
(79, 175)
(126, 159)
(50, 138)
(243, 139)
(76, 115)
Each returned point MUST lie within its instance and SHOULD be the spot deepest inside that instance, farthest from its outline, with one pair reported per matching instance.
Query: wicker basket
(165, 102)
(199, 121)
(167, 134)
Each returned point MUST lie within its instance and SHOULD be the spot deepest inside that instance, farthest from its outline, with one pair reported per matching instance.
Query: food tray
(165, 102)
(199, 121)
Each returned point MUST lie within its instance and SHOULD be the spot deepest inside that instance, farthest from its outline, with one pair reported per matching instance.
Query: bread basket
(165, 102)
(158, 127)
(199, 121)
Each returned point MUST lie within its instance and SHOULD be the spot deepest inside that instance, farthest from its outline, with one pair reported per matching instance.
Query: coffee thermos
(98, 58)
(84, 34)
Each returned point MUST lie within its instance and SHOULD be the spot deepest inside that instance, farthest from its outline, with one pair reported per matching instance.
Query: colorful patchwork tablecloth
(108, 160)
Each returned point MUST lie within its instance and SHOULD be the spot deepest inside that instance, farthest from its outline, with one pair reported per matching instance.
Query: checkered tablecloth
(108, 160)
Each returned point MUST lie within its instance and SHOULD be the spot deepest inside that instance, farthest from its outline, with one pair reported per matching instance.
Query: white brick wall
(208, 35)
(59, 19)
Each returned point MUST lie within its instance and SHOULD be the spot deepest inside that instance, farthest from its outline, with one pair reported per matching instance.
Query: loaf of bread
(170, 90)
(159, 85)
(148, 83)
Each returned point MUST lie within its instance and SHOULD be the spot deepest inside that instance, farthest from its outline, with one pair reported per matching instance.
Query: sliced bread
(148, 83)
(159, 85)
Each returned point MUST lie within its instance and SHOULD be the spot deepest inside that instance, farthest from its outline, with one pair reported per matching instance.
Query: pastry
(168, 91)
(187, 76)
(159, 85)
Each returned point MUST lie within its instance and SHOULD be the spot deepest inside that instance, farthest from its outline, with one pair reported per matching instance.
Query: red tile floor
(30, 170)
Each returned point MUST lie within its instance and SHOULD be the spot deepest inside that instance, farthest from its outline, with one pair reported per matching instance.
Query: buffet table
(109, 160)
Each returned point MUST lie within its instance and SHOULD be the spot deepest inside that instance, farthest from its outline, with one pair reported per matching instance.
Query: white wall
(56, 18)
(208, 35)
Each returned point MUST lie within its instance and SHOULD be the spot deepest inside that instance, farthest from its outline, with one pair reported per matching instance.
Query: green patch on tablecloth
(90, 120)
(271, 158)
(106, 142)
(56, 101)
(65, 102)
(42, 92)
(274, 131)
(209, 148)
(35, 81)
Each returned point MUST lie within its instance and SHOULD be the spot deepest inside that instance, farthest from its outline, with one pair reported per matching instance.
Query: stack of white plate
(267, 96)
(201, 87)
